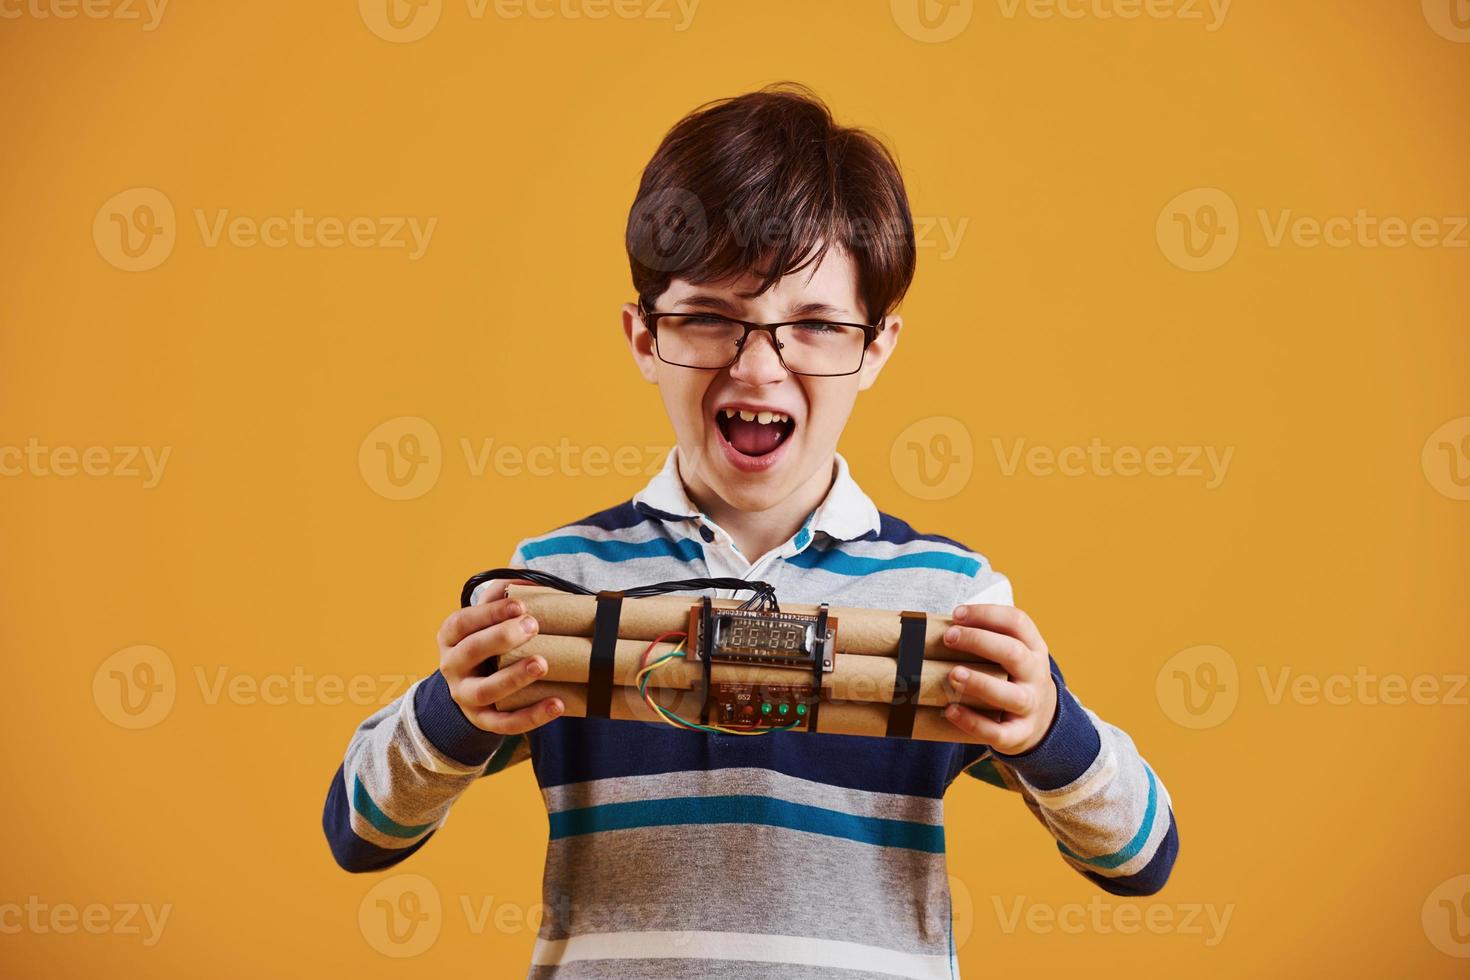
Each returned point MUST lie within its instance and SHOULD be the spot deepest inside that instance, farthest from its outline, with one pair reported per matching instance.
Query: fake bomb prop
(747, 668)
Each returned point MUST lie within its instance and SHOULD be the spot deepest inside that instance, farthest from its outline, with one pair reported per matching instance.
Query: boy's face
(818, 407)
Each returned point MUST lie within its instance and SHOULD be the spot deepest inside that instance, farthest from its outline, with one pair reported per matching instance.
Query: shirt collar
(845, 513)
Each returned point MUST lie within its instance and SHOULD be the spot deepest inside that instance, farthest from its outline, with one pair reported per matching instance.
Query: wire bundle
(645, 669)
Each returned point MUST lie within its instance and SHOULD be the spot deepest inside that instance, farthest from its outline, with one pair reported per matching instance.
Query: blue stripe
(841, 563)
(613, 551)
(350, 851)
(363, 804)
(574, 750)
(1130, 849)
(765, 810)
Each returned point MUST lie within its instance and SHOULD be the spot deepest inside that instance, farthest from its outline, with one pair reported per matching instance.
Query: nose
(758, 362)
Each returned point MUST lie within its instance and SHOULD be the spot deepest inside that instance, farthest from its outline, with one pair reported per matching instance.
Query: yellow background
(265, 549)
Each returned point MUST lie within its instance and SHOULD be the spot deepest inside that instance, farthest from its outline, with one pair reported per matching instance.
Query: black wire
(764, 597)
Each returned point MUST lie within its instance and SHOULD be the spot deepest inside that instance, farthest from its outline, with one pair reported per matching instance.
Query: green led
(785, 708)
(766, 708)
(801, 709)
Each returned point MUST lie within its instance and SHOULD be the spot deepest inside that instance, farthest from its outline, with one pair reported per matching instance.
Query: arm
(404, 767)
(408, 762)
(1081, 777)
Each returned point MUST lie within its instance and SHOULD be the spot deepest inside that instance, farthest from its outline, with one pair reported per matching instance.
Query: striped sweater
(683, 853)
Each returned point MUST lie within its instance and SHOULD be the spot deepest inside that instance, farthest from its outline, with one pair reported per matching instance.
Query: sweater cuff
(447, 728)
(1067, 749)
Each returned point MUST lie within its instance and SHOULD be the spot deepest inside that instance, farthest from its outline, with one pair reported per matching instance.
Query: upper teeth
(764, 418)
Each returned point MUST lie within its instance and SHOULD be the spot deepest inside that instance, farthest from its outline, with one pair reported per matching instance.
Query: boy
(684, 853)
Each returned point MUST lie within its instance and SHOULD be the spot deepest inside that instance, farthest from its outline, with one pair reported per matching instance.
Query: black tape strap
(910, 669)
(706, 654)
(604, 646)
(822, 652)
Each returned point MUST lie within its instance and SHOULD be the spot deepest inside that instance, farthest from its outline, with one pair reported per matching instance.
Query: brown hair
(765, 183)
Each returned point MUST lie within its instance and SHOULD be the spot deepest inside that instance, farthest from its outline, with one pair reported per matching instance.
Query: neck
(756, 532)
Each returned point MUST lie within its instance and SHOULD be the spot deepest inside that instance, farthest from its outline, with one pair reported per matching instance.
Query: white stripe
(760, 947)
(1083, 788)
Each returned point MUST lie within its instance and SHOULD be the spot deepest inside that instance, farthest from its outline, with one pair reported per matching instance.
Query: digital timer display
(754, 635)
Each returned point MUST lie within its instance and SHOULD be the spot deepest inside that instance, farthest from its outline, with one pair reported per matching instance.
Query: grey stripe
(724, 879)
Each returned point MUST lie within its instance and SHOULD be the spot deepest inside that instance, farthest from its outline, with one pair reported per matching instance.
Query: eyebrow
(809, 308)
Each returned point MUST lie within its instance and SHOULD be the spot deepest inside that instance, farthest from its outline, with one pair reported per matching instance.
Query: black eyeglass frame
(870, 334)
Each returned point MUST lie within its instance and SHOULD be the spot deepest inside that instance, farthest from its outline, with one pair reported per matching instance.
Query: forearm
(404, 767)
(1109, 812)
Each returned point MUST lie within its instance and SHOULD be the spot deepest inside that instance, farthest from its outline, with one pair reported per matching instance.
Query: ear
(640, 341)
(879, 351)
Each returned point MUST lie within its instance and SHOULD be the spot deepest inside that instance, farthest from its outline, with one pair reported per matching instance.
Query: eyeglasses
(708, 341)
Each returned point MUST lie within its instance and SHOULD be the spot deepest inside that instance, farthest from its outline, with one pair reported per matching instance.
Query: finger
(482, 646)
(472, 619)
(999, 735)
(485, 691)
(523, 720)
(998, 648)
(994, 691)
(1001, 619)
(987, 729)
(497, 588)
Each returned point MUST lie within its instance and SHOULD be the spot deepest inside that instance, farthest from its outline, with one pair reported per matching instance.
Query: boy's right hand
(469, 641)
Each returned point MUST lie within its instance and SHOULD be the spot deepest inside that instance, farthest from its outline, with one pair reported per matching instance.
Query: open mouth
(754, 433)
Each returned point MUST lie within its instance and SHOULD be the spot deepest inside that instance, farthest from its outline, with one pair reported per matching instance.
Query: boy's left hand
(1008, 637)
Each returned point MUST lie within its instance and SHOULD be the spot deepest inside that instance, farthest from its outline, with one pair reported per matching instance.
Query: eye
(819, 326)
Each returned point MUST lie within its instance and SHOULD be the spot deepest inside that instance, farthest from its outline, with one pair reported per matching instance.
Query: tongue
(753, 438)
